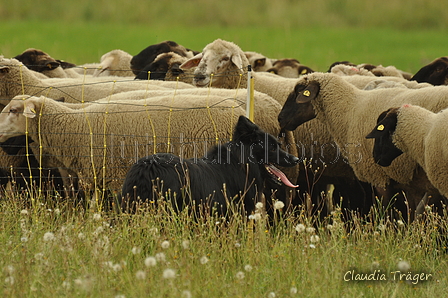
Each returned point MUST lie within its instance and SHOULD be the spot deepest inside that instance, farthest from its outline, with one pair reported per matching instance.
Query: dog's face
(264, 149)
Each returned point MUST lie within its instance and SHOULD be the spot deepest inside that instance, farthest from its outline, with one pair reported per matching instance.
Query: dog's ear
(245, 127)
(386, 124)
(309, 93)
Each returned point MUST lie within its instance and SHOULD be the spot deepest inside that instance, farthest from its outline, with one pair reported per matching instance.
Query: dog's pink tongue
(282, 176)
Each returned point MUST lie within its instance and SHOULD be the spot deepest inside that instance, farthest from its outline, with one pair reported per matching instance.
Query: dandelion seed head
(314, 239)
(165, 244)
(150, 262)
(203, 260)
(10, 269)
(257, 216)
(116, 267)
(404, 266)
(24, 239)
(66, 285)
(259, 206)
(81, 236)
(169, 274)
(271, 295)
(300, 228)
(293, 290)
(186, 244)
(96, 216)
(186, 294)
(136, 250)
(24, 212)
(310, 230)
(240, 275)
(140, 274)
(9, 280)
(248, 268)
(237, 245)
(278, 205)
(48, 236)
(160, 257)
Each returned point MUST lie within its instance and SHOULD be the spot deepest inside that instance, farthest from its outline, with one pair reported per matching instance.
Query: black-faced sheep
(42, 62)
(166, 67)
(418, 132)
(147, 55)
(289, 68)
(348, 114)
(435, 73)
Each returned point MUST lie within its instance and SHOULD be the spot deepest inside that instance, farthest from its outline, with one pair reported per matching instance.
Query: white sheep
(349, 113)
(258, 61)
(101, 141)
(115, 63)
(17, 79)
(418, 132)
(289, 68)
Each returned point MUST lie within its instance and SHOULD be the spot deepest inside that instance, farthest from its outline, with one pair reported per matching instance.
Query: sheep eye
(225, 58)
(14, 111)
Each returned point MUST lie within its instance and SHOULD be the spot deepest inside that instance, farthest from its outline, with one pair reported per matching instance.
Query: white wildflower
(48, 236)
(404, 266)
(66, 284)
(150, 262)
(259, 206)
(140, 274)
(237, 245)
(278, 205)
(165, 244)
(186, 294)
(271, 295)
(57, 211)
(10, 269)
(203, 260)
(169, 274)
(240, 275)
(257, 216)
(81, 236)
(120, 296)
(96, 216)
(248, 268)
(39, 256)
(251, 217)
(24, 239)
(24, 212)
(400, 223)
(293, 290)
(300, 228)
(312, 246)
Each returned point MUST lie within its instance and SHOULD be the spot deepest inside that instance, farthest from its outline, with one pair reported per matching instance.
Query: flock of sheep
(87, 124)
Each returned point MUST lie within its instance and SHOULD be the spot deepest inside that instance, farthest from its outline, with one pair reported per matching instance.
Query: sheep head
(384, 150)
(298, 108)
(37, 60)
(218, 60)
(12, 122)
(435, 73)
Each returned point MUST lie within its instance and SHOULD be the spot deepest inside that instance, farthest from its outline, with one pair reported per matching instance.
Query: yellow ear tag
(49, 66)
(303, 71)
(306, 93)
(380, 127)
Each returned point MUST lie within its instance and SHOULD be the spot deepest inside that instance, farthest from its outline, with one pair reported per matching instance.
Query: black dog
(235, 171)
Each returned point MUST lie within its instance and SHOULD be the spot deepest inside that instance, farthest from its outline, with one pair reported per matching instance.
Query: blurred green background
(407, 34)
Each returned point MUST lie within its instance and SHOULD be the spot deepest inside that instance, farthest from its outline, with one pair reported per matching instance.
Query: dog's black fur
(240, 164)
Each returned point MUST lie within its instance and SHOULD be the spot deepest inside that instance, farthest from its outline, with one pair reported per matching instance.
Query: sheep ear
(260, 62)
(236, 59)
(309, 93)
(386, 124)
(192, 62)
(51, 65)
(30, 110)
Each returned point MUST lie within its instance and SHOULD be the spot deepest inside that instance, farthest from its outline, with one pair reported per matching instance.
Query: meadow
(58, 249)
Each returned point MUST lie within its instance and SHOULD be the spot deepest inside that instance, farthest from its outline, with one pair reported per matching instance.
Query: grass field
(315, 47)
(59, 250)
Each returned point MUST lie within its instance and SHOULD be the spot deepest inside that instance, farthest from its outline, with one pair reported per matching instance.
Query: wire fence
(98, 141)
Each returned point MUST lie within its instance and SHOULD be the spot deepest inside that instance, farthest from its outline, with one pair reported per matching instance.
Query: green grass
(57, 250)
(315, 47)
